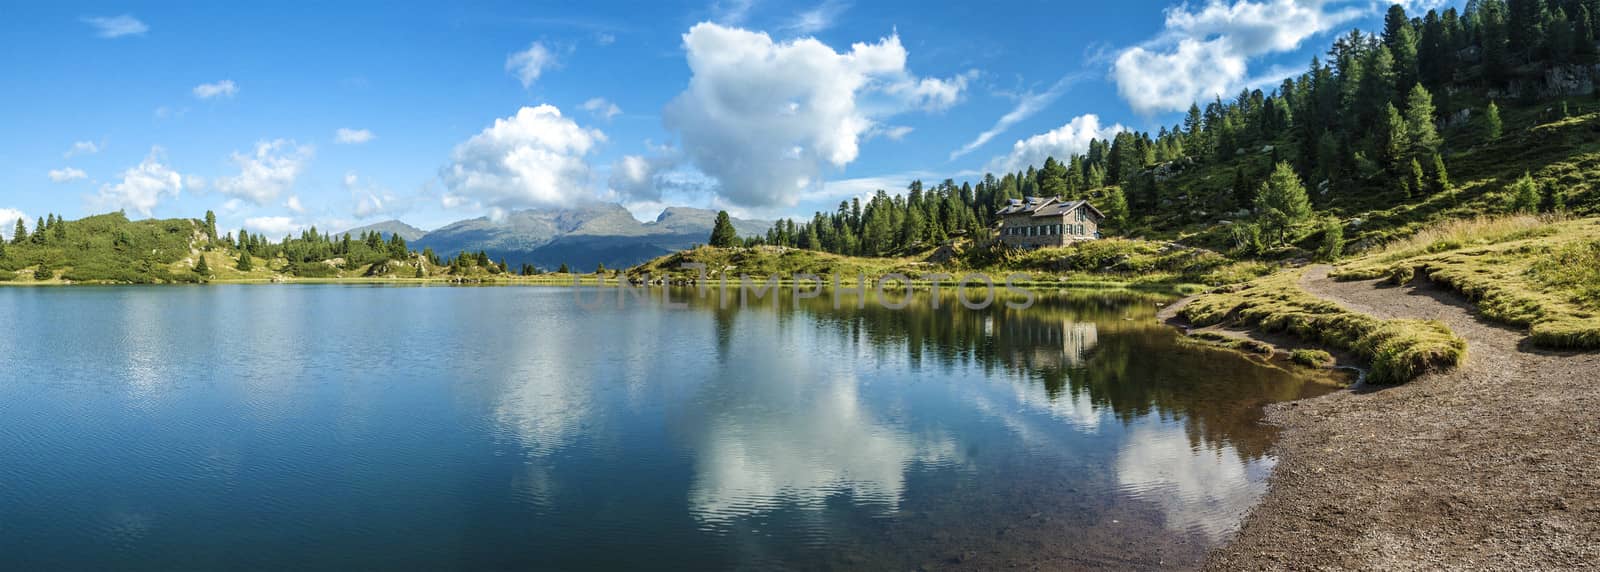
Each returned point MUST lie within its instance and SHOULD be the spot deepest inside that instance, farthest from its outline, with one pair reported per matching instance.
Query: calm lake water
(343, 427)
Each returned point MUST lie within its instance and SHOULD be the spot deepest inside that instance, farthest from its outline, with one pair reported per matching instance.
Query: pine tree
(420, 273)
(201, 267)
(20, 233)
(1332, 240)
(1441, 177)
(211, 225)
(1281, 201)
(42, 272)
(244, 264)
(39, 230)
(564, 269)
(1491, 122)
(1524, 195)
(1418, 185)
(1419, 122)
(1395, 139)
(723, 234)
(1115, 207)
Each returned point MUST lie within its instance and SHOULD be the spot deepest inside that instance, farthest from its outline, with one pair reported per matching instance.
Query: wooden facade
(1038, 222)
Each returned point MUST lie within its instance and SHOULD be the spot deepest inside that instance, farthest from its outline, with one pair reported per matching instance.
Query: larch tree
(1281, 201)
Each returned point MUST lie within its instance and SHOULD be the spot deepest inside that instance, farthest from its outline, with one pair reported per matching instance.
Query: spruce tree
(563, 269)
(39, 230)
(244, 264)
(723, 234)
(20, 233)
(211, 225)
(201, 267)
(43, 272)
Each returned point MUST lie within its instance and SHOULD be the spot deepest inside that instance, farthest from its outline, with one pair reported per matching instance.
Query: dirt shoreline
(1495, 465)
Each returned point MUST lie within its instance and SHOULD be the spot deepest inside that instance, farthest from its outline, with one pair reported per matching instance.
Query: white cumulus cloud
(602, 108)
(267, 172)
(142, 186)
(528, 64)
(67, 174)
(224, 88)
(767, 118)
(350, 136)
(1061, 143)
(535, 158)
(272, 226)
(116, 26)
(641, 178)
(1204, 52)
(294, 205)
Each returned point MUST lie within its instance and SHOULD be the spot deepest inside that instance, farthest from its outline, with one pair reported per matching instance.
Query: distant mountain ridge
(388, 228)
(581, 237)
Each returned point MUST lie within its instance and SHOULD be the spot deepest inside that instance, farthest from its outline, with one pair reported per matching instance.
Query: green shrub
(1311, 358)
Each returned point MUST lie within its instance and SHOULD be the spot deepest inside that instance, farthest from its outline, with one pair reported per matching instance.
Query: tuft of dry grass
(1460, 233)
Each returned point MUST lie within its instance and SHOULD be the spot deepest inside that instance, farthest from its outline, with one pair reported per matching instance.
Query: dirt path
(1492, 466)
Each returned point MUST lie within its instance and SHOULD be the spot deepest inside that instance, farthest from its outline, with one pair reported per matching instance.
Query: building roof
(1038, 206)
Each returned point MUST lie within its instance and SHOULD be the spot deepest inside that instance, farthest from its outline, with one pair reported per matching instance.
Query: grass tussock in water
(1399, 350)
(1538, 273)
(1311, 358)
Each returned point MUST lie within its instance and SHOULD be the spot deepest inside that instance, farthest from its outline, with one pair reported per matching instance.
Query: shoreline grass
(1398, 350)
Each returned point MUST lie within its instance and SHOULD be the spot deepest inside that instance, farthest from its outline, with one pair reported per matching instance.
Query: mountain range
(581, 237)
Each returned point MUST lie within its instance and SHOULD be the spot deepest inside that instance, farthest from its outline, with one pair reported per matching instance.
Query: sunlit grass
(1398, 350)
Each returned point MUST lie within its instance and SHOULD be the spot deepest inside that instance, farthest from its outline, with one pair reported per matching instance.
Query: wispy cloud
(224, 88)
(816, 19)
(732, 12)
(350, 136)
(1027, 105)
(602, 108)
(81, 148)
(528, 64)
(116, 26)
(67, 174)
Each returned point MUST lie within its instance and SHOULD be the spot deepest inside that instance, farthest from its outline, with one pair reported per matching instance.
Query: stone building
(1037, 222)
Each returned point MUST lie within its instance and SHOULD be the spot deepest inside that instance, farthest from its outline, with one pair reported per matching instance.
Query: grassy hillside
(104, 248)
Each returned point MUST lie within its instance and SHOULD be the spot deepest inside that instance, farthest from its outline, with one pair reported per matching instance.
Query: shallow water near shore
(337, 427)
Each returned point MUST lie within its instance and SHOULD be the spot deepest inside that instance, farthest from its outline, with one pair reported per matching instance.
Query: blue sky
(282, 116)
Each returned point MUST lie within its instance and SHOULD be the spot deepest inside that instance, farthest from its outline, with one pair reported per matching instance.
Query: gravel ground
(1495, 465)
